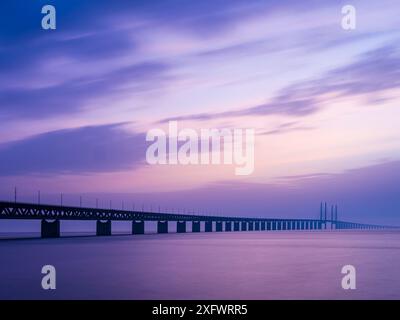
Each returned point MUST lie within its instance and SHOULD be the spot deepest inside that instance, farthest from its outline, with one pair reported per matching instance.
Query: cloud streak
(374, 72)
(286, 128)
(68, 97)
(83, 150)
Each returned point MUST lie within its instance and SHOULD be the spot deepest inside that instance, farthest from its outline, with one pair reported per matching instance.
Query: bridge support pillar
(138, 227)
(257, 225)
(50, 229)
(236, 226)
(228, 226)
(279, 225)
(208, 226)
(103, 228)
(244, 226)
(289, 225)
(284, 226)
(195, 226)
(218, 226)
(181, 226)
(273, 225)
(250, 226)
(269, 225)
(262, 225)
(162, 226)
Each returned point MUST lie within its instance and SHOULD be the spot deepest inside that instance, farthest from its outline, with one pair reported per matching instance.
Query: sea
(227, 265)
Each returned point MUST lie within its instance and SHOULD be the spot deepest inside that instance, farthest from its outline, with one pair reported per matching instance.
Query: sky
(76, 104)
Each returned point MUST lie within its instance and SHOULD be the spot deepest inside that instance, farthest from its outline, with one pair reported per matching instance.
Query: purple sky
(76, 103)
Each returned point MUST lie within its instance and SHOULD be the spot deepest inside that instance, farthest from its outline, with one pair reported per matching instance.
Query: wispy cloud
(83, 150)
(69, 96)
(374, 72)
(286, 128)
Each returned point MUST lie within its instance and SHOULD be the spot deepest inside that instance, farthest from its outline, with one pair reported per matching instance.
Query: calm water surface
(243, 265)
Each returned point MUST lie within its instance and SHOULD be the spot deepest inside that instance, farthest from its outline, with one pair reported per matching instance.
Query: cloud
(195, 14)
(285, 128)
(104, 148)
(48, 73)
(70, 96)
(35, 81)
(101, 29)
(374, 72)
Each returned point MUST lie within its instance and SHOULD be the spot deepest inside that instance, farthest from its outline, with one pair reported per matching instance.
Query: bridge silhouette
(52, 215)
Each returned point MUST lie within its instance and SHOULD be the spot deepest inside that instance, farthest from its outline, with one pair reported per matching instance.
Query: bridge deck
(18, 210)
(13, 210)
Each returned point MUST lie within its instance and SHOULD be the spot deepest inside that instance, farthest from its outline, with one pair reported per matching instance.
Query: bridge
(52, 215)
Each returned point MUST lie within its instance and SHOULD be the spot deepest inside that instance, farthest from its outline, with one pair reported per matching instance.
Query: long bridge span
(52, 215)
